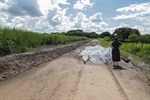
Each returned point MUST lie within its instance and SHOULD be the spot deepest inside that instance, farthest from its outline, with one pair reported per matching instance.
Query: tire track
(58, 86)
(120, 89)
(75, 87)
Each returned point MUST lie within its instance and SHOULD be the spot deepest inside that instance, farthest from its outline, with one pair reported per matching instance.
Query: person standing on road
(115, 52)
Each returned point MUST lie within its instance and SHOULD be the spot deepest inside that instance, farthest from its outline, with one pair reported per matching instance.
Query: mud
(14, 64)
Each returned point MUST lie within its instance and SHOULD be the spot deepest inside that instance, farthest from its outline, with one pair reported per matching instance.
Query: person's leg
(114, 64)
(117, 63)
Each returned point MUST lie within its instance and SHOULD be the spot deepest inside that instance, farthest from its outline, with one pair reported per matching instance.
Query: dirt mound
(12, 65)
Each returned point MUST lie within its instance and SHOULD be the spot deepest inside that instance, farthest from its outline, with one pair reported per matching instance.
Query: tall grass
(104, 43)
(138, 49)
(18, 41)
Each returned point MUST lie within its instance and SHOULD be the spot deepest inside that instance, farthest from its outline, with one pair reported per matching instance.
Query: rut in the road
(75, 87)
(121, 90)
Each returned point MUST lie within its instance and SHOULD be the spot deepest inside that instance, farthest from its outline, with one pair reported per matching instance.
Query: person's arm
(111, 44)
(120, 43)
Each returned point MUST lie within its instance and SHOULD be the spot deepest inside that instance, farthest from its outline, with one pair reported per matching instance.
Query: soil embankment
(12, 65)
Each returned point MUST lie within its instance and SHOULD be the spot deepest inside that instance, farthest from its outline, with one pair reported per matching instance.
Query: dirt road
(68, 78)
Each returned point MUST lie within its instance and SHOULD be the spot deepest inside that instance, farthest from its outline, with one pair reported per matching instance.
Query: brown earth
(15, 64)
(68, 78)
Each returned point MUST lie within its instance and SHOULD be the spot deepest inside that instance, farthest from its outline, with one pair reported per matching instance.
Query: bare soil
(15, 64)
(68, 78)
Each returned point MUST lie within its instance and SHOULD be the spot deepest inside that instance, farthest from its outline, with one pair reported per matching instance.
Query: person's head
(115, 39)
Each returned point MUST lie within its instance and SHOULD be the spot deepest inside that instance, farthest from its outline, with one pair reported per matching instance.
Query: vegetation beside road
(138, 49)
(19, 41)
(130, 49)
(104, 43)
(133, 41)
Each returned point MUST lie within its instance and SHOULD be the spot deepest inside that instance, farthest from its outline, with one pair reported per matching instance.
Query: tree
(124, 33)
(144, 39)
(133, 38)
(136, 31)
(112, 36)
(92, 35)
(81, 33)
(103, 34)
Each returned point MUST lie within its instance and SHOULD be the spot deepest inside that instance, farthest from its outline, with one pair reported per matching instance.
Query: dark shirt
(115, 50)
(116, 44)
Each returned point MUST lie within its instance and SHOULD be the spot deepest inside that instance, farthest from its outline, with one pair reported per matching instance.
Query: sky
(46, 16)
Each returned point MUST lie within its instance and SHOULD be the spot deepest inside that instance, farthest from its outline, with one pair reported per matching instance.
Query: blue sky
(63, 15)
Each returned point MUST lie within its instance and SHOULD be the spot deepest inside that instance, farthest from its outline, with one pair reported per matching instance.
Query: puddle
(98, 55)
(95, 54)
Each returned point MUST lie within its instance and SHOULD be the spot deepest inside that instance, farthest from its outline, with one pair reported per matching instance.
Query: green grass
(138, 49)
(19, 41)
(104, 43)
(133, 56)
(135, 51)
(124, 53)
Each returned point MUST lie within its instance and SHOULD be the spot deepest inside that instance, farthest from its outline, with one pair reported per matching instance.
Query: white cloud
(134, 10)
(83, 4)
(38, 24)
(53, 17)
(125, 16)
(63, 2)
(92, 23)
(3, 19)
(80, 20)
(109, 29)
(97, 23)
(45, 5)
(136, 13)
(57, 16)
(123, 25)
(87, 2)
(144, 20)
(21, 8)
(112, 29)
(142, 29)
(79, 5)
(96, 17)
(5, 5)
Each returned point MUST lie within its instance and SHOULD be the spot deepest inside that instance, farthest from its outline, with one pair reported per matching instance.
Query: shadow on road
(119, 68)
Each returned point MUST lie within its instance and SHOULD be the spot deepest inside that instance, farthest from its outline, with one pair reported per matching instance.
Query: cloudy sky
(63, 15)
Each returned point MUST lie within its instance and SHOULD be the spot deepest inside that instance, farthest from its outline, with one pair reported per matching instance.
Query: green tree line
(127, 35)
(81, 33)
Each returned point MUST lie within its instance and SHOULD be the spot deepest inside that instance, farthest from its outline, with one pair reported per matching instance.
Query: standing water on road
(98, 55)
(95, 54)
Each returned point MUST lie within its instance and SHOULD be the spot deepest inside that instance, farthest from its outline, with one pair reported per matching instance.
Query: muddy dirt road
(68, 78)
